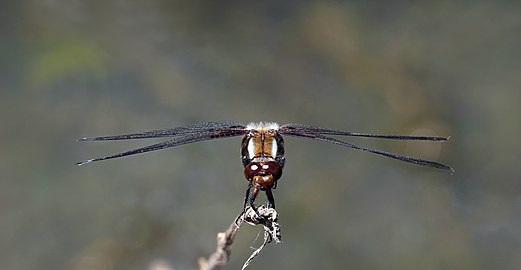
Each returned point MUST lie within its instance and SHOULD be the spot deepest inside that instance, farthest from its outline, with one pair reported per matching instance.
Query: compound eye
(251, 170)
(255, 168)
(273, 169)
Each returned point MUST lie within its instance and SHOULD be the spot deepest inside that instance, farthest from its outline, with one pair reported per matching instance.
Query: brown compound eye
(272, 168)
(252, 169)
(262, 168)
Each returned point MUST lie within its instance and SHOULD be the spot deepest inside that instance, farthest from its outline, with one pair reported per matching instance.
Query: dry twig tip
(268, 218)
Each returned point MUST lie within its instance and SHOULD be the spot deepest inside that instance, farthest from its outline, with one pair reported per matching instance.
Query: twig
(268, 218)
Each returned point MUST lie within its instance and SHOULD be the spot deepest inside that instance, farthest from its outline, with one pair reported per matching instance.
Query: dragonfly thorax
(262, 145)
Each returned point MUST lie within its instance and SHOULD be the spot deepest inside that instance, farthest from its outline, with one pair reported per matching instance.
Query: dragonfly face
(262, 148)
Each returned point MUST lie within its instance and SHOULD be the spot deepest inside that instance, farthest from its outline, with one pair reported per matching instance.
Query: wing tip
(84, 162)
(445, 168)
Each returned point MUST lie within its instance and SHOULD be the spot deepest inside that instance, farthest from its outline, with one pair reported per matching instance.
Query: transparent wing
(299, 128)
(191, 138)
(193, 129)
(417, 161)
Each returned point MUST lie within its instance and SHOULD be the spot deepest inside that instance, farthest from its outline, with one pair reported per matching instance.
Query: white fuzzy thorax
(262, 126)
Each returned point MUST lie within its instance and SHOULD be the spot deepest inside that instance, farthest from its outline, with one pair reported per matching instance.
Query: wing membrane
(299, 128)
(417, 161)
(172, 132)
(204, 136)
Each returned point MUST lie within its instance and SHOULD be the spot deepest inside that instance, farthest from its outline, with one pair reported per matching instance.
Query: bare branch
(268, 218)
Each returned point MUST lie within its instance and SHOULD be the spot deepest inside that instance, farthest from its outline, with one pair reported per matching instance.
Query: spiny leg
(247, 196)
(252, 199)
(271, 199)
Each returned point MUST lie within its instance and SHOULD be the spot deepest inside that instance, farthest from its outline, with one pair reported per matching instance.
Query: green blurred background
(70, 69)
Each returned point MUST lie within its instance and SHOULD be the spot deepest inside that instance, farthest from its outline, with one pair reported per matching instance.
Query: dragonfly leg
(247, 196)
(252, 199)
(271, 199)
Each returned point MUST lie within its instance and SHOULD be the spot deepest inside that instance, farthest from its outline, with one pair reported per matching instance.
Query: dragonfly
(262, 148)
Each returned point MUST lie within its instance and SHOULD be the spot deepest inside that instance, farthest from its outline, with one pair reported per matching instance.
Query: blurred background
(71, 69)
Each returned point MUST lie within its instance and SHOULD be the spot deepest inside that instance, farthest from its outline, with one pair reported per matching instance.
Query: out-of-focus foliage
(70, 69)
(66, 60)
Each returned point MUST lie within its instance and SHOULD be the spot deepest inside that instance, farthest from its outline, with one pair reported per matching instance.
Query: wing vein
(169, 143)
(194, 129)
(299, 128)
(413, 160)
